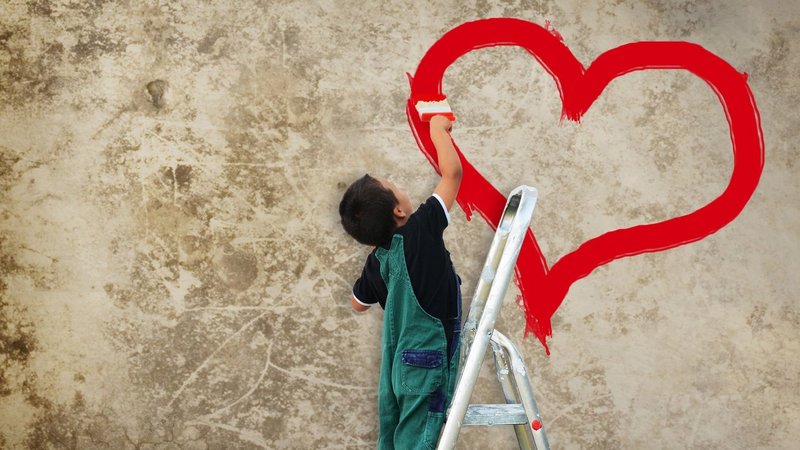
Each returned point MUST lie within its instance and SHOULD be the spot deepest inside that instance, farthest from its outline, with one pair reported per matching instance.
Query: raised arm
(449, 164)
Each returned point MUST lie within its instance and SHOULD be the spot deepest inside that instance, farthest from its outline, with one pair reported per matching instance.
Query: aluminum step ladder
(520, 409)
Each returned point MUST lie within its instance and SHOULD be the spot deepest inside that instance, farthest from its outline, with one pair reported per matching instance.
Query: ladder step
(500, 414)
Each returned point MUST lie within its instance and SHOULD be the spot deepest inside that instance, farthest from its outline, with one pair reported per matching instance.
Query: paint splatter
(549, 27)
(543, 288)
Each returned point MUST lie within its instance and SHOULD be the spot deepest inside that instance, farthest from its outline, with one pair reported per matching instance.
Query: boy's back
(432, 276)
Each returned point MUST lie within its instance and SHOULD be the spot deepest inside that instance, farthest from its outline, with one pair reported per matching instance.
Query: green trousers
(417, 377)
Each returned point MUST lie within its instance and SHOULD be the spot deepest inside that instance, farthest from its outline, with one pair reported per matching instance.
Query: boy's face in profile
(403, 208)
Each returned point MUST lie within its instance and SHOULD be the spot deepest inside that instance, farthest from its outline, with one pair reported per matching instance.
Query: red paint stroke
(542, 288)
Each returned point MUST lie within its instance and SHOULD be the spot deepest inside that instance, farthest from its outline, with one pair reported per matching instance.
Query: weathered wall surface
(173, 271)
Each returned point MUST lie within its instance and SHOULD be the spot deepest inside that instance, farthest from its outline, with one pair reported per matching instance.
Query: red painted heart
(544, 289)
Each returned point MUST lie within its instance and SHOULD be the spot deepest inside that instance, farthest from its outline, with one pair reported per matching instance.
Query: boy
(409, 273)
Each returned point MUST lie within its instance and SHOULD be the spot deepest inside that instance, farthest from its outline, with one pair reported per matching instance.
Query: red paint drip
(543, 288)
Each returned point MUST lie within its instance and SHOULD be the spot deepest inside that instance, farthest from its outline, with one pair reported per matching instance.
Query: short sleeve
(370, 289)
(433, 215)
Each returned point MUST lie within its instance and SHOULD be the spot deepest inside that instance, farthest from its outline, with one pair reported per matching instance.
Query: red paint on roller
(426, 117)
(544, 288)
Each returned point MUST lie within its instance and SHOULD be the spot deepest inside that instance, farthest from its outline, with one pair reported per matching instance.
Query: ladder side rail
(525, 199)
(508, 383)
(524, 389)
(485, 282)
(484, 286)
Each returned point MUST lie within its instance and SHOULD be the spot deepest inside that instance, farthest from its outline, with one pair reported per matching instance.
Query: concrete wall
(173, 270)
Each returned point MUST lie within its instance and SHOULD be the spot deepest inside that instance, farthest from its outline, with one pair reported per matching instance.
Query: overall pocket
(421, 371)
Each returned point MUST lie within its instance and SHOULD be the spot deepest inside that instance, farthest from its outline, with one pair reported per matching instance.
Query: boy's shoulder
(423, 234)
(425, 225)
(433, 211)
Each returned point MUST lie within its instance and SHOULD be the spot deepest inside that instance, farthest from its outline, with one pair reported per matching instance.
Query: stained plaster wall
(173, 271)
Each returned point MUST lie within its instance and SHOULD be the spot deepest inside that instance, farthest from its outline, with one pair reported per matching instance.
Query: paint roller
(428, 109)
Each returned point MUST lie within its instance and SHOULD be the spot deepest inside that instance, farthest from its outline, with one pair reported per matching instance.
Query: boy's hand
(441, 122)
(358, 307)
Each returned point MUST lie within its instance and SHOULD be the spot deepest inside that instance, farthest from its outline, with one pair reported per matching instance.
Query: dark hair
(367, 211)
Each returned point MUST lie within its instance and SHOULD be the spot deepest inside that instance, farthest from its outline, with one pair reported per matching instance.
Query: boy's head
(371, 209)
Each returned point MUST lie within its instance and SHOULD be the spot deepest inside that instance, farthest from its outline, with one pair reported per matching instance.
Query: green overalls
(417, 381)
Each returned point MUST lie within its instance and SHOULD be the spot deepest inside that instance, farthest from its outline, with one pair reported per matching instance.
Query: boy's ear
(398, 212)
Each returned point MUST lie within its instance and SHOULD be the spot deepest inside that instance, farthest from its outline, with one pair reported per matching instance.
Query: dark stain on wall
(17, 335)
